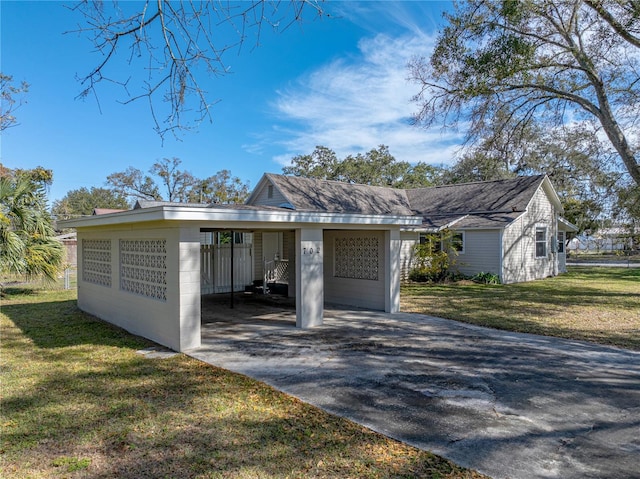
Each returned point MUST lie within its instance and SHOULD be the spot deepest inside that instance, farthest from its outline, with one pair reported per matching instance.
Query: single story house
(322, 241)
(512, 228)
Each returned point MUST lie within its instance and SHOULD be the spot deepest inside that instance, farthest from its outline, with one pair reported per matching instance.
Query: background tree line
(165, 181)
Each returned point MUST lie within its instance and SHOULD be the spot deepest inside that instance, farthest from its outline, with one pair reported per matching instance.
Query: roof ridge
(341, 183)
(453, 185)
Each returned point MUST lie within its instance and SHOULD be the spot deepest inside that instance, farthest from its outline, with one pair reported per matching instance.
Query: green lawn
(588, 303)
(78, 401)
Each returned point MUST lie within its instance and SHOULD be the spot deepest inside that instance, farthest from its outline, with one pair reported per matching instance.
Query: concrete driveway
(506, 404)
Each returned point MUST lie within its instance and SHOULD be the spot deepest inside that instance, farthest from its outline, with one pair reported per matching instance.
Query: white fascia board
(567, 225)
(418, 229)
(451, 223)
(551, 193)
(227, 216)
(423, 229)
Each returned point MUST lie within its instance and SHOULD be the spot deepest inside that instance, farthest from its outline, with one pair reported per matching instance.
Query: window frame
(426, 238)
(451, 243)
(543, 242)
(461, 243)
(561, 241)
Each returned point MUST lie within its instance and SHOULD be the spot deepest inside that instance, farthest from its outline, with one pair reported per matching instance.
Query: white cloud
(353, 105)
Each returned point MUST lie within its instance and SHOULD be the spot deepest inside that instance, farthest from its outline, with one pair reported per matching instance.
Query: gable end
(267, 193)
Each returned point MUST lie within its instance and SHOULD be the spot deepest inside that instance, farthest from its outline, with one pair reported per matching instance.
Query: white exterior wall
(364, 293)
(189, 289)
(173, 321)
(481, 253)
(520, 263)
(391, 271)
(408, 242)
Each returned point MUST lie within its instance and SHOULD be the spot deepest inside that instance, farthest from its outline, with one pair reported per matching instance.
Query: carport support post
(309, 277)
(392, 271)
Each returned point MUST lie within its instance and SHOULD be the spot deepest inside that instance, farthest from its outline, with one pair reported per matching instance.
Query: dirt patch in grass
(79, 402)
(593, 304)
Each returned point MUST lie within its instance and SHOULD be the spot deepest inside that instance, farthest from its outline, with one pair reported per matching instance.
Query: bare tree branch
(547, 60)
(608, 16)
(182, 43)
(9, 101)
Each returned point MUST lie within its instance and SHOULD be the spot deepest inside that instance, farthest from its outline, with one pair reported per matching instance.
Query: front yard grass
(588, 303)
(79, 402)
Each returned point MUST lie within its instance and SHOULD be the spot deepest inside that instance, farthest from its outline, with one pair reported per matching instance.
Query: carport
(141, 269)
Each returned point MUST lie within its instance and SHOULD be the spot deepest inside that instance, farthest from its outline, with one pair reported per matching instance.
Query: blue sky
(339, 82)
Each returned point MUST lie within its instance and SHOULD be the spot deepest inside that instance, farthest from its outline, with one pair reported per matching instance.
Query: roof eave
(256, 189)
(551, 191)
(568, 226)
(173, 213)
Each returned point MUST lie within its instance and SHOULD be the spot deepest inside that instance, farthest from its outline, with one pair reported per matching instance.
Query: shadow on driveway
(509, 405)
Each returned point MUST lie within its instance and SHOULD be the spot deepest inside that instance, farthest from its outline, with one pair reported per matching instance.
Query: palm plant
(27, 243)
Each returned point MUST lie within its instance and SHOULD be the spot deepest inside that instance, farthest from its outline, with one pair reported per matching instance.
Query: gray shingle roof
(437, 222)
(151, 204)
(439, 205)
(498, 196)
(488, 204)
(486, 221)
(307, 194)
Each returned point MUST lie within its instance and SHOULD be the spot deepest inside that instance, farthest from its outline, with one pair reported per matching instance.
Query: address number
(310, 250)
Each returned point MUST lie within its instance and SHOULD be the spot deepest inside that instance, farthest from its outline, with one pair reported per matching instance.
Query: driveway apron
(509, 405)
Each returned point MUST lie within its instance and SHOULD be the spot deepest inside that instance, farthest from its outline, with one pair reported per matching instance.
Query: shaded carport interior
(263, 308)
(248, 308)
(251, 301)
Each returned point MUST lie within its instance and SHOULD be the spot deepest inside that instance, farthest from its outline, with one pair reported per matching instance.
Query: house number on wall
(310, 250)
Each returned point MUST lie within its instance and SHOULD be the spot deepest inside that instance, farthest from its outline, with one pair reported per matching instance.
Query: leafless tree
(171, 47)
(10, 100)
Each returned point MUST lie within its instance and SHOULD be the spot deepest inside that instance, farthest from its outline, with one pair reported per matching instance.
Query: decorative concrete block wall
(146, 281)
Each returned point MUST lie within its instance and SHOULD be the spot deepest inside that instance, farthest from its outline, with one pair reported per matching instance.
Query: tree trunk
(617, 136)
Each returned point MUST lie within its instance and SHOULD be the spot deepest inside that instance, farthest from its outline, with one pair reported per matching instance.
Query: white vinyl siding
(408, 241)
(481, 253)
(363, 293)
(519, 243)
(263, 198)
(258, 267)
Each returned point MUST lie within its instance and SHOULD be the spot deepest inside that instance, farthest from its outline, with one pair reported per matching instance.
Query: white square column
(392, 246)
(189, 288)
(309, 277)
